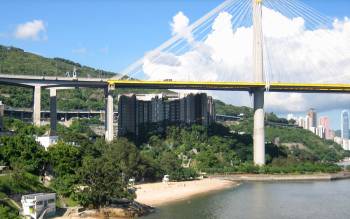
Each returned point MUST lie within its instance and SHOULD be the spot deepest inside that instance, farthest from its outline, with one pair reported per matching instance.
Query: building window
(51, 201)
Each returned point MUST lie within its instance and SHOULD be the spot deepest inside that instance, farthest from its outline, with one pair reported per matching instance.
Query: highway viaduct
(53, 83)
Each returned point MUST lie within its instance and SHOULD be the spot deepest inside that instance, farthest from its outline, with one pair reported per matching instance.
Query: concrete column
(37, 105)
(2, 112)
(259, 114)
(53, 112)
(109, 114)
(259, 128)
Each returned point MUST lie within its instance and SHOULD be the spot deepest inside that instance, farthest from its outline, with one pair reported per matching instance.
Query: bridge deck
(238, 86)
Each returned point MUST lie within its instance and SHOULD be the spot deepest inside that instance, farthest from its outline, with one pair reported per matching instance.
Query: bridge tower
(258, 67)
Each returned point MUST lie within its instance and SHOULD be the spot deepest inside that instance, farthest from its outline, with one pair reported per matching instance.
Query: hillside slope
(302, 143)
(17, 61)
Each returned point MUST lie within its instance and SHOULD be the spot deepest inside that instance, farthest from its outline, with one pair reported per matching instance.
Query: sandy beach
(156, 194)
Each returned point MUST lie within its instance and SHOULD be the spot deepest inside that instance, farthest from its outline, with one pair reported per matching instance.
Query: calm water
(319, 200)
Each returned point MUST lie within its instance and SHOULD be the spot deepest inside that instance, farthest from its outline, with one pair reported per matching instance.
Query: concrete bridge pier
(259, 128)
(37, 105)
(109, 114)
(259, 115)
(53, 112)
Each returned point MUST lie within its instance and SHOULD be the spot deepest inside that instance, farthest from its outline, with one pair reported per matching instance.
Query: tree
(102, 181)
(25, 150)
(7, 212)
(64, 159)
(125, 154)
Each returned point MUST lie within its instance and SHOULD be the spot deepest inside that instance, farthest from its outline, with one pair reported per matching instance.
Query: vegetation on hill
(303, 144)
(17, 61)
(230, 110)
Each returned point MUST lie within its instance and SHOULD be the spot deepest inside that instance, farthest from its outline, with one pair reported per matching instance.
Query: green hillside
(301, 143)
(17, 61)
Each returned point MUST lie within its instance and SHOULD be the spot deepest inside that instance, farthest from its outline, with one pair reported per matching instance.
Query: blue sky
(111, 34)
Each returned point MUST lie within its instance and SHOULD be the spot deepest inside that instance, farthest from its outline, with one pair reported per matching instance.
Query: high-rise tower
(344, 124)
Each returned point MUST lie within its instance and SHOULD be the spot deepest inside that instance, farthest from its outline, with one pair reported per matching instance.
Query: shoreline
(158, 194)
(282, 177)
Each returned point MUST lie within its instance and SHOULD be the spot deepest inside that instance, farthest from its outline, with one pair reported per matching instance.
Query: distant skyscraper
(345, 124)
(313, 117)
(308, 122)
(324, 122)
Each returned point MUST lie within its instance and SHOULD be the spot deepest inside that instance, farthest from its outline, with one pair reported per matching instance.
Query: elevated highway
(233, 86)
(55, 83)
(51, 81)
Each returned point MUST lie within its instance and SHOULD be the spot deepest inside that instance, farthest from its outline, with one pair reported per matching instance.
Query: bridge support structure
(37, 105)
(109, 114)
(258, 66)
(53, 111)
(259, 128)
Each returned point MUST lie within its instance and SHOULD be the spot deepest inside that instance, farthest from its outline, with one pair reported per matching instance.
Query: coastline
(283, 177)
(158, 194)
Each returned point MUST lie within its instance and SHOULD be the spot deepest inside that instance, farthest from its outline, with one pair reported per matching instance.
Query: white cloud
(34, 30)
(180, 26)
(296, 54)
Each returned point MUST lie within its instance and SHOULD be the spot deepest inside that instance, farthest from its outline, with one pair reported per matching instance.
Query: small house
(38, 205)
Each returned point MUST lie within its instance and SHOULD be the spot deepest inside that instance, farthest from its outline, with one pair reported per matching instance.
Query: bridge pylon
(258, 67)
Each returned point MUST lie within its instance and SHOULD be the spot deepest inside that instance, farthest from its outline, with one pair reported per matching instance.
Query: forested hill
(17, 61)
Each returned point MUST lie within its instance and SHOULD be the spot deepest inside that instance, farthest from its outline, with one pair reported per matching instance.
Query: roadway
(233, 86)
(56, 81)
(51, 81)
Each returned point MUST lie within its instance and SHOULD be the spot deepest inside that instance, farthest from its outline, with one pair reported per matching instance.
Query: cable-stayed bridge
(256, 46)
(249, 45)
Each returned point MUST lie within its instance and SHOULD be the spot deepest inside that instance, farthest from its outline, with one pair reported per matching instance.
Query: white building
(301, 122)
(338, 140)
(345, 144)
(308, 124)
(47, 141)
(320, 131)
(37, 205)
(313, 129)
(344, 124)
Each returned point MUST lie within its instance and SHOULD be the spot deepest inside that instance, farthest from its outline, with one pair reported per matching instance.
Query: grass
(66, 202)
(23, 183)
